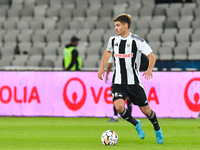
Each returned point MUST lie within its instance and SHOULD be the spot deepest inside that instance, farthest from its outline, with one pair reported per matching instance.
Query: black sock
(127, 116)
(129, 105)
(154, 120)
(115, 111)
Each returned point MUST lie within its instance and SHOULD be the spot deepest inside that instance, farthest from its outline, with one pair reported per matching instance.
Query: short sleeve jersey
(126, 53)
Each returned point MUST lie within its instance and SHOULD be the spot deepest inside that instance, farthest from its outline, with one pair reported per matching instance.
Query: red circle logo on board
(192, 106)
(74, 105)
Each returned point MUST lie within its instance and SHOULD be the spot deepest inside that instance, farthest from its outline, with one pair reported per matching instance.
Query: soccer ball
(109, 137)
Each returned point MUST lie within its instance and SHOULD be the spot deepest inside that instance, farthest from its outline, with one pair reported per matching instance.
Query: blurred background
(33, 33)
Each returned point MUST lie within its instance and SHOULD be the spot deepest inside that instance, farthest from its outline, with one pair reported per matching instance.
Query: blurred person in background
(71, 59)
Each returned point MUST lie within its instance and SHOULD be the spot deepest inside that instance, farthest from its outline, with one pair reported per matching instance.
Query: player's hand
(148, 74)
(106, 79)
(100, 73)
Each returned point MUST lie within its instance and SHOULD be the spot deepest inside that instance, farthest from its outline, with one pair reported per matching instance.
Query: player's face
(120, 28)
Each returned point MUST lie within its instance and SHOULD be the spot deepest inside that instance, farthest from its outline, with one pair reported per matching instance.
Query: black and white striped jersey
(126, 53)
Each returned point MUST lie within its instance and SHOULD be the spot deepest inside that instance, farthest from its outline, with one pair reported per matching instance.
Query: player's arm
(152, 60)
(105, 58)
(109, 67)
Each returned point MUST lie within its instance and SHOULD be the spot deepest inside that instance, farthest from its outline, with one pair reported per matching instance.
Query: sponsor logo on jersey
(116, 44)
(124, 55)
(120, 94)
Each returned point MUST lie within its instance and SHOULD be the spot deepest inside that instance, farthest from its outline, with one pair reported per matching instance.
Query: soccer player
(126, 49)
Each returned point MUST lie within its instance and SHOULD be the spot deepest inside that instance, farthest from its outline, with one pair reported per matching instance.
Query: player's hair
(124, 18)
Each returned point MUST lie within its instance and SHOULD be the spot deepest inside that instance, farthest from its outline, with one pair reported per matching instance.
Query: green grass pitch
(51, 133)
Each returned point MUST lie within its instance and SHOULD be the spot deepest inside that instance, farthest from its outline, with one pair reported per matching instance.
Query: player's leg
(115, 117)
(125, 114)
(129, 105)
(151, 115)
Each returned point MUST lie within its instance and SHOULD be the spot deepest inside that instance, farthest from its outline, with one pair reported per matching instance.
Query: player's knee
(119, 108)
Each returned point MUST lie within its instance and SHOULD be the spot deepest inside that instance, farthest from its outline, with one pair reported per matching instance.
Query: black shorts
(136, 93)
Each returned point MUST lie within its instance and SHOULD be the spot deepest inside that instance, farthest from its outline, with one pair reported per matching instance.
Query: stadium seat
(159, 11)
(92, 11)
(133, 12)
(135, 4)
(65, 13)
(65, 37)
(106, 11)
(94, 49)
(9, 24)
(19, 60)
(91, 61)
(24, 47)
(63, 24)
(6, 60)
(25, 36)
(119, 9)
(52, 37)
(55, 4)
(29, 3)
(195, 24)
(157, 22)
(169, 23)
(143, 24)
(183, 35)
(170, 44)
(180, 51)
(13, 12)
(42, 2)
(90, 22)
(22, 24)
(195, 36)
(185, 22)
(168, 34)
(193, 51)
(50, 23)
(58, 63)
(142, 32)
(10, 37)
(83, 34)
(155, 45)
(79, 12)
(173, 13)
(52, 12)
(165, 53)
(46, 63)
(96, 35)
(8, 49)
(38, 37)
(36, 24)
(81, 4)
(154, 35)
(39, 11)
(186, 11)
(146, 11)
(149, 3)
(33, 61)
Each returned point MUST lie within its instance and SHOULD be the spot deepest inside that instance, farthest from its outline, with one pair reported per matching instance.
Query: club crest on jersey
(128, 45)
(116, 94)
(123, 55)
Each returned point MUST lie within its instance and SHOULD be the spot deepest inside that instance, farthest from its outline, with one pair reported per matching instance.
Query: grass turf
(49, 133)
